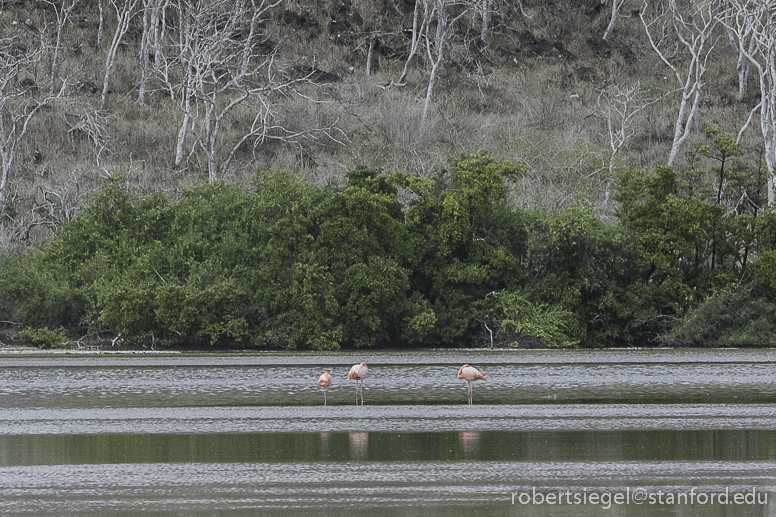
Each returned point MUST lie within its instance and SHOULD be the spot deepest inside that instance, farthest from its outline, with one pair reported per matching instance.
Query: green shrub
(46, 338)
(733, 317)
(551, 325)
(38, 293)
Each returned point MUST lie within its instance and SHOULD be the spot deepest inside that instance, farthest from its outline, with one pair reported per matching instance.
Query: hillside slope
(331, 100)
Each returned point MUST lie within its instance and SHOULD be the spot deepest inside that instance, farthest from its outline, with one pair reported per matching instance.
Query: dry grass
(503, 100)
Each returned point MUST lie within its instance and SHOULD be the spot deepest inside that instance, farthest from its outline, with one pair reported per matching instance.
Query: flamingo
(324, 381)
(358, 372)
(470, 374)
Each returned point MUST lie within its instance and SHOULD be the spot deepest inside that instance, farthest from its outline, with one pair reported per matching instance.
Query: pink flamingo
(324, 381)
(359, 372)
(470, 374)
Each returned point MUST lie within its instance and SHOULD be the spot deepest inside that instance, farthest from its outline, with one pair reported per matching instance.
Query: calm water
(679, 433)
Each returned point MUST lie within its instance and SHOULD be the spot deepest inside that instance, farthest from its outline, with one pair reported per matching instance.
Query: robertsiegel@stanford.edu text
(642, 496)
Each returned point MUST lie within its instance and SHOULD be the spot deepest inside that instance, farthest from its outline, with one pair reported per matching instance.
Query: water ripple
(43, 421)
(225, 381)
(206, 486)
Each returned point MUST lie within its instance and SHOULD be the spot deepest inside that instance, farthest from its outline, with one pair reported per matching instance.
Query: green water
(598, 446)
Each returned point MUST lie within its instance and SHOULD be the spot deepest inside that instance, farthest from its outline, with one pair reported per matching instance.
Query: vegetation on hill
(456, 174)
(401, 260)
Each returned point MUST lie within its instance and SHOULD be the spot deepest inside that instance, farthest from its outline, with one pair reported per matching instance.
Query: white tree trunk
(430, 90)
(754, 24)
(123, 15)
(144, 46)
(487, 11)
(100, 22)
(616, 7)
(181, 140)
(55, 60)
(768, 119)
(209, 143)
(369, 56)
(694, 30)
(418, 27)
(435, 51)
(6, 156)
(682, 127)
(62, 12)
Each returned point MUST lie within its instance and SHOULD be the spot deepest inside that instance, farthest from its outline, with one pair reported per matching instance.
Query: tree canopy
(397, 260)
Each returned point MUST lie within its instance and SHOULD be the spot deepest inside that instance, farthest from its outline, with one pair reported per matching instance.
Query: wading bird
(358, 372)
(470, 374)
(324, 381)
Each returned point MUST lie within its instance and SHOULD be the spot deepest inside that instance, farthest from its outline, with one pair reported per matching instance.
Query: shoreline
(32, 350)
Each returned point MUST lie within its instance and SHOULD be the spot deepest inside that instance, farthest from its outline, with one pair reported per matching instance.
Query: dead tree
(432, 25)
(435, 48)
(743, 67)
(437, 35)
(83, 121)
(151, 40)
(18, 104)
(419, 22)
(217, 56)
(215, 65)
(619, 107)
(101, 22)
(62, 11)
(125, 11)
(486, 13)
(693, 29)
(753, 22)
(616, 8)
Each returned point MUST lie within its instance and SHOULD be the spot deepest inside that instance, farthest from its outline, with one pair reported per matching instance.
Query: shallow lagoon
(243, 434)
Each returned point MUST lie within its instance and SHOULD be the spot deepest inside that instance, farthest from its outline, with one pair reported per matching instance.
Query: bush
(550, 325)
(394, 260)
(734, 317)
(38, 293)
(46, 338)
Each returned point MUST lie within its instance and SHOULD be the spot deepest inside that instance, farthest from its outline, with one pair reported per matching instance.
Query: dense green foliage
(46, 338)
(397, 260)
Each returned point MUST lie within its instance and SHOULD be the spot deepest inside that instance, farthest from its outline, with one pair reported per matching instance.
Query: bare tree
(62, 11)
(177, 73)
(435, 49)
(619, 107)
(419, 21)
(216, 62)
(616, 8)
(152, 38)
(753, 22)
(125, 11)
(743, 66)
(691, 26)
(216, 65)
(83, 121)
(440, 24)
(486, 13)
(101, 22)
(18, 104)
(432, 25)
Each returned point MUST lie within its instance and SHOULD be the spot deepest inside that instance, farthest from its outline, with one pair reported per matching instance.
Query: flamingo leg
(470, 393)
(362, 393)
(324, 396)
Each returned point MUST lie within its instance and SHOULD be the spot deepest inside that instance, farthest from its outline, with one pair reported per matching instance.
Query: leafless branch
(693, 29)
